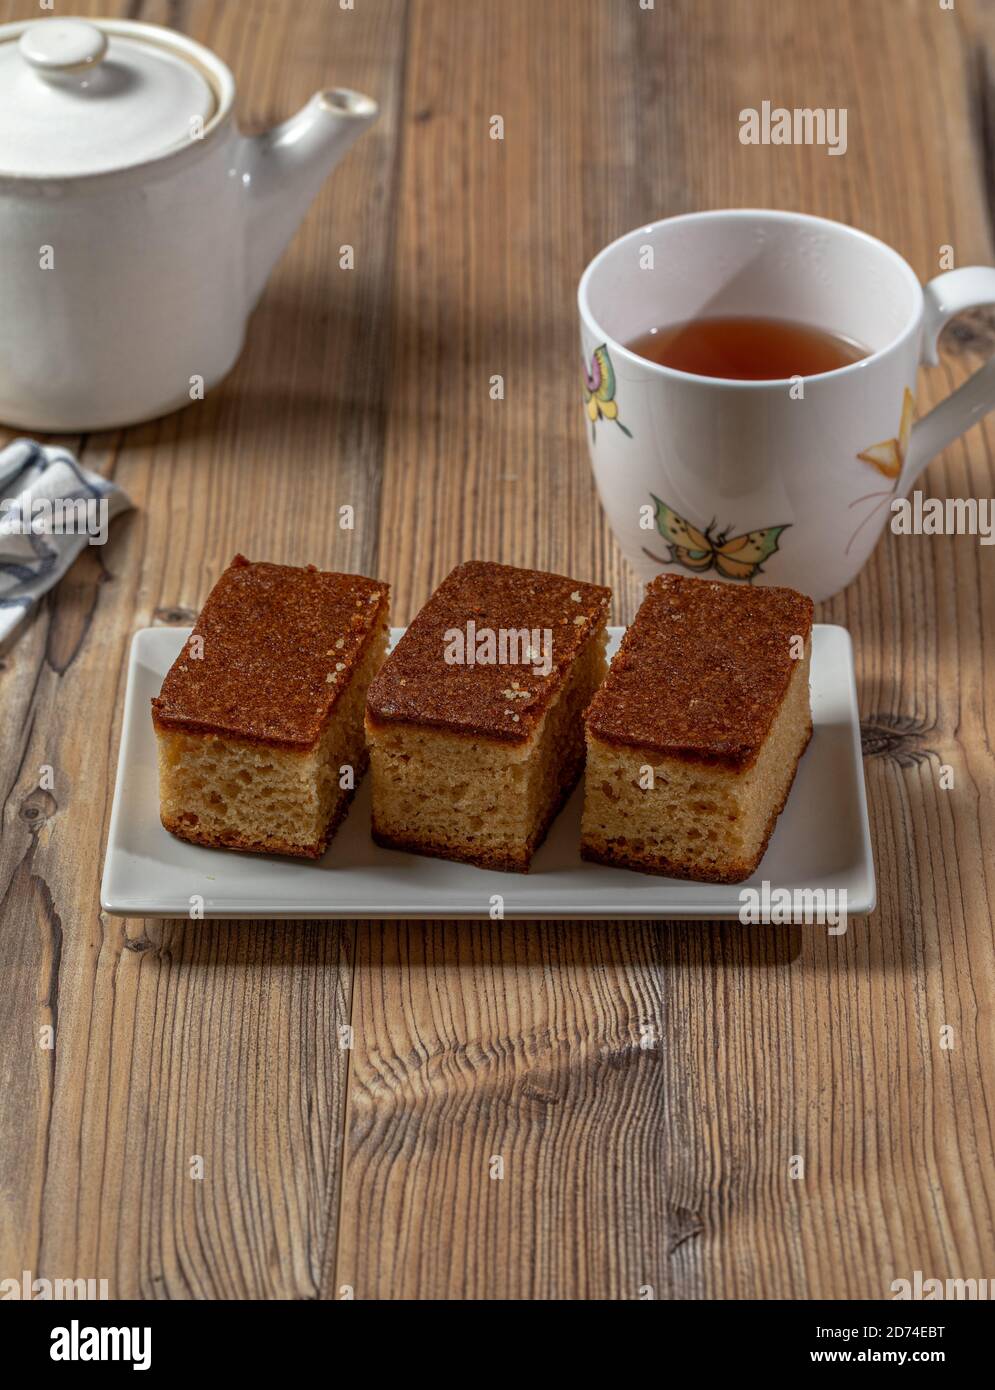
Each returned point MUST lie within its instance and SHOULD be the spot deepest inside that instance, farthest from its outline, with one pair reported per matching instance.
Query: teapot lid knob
(58, 46)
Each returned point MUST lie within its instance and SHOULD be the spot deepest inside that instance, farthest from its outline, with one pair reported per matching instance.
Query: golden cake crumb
(468, 761)
(252, 737)
(694, 738)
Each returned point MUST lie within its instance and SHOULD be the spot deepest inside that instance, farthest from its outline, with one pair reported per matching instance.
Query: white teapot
(138, 227)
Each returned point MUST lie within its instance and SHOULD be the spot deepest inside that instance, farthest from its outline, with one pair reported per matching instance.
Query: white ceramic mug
(774, 482)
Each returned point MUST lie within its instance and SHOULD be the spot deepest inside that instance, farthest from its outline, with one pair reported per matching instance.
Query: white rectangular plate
(821, 840)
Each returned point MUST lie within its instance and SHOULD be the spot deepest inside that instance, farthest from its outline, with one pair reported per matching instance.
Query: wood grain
(174, 1041)
(530, 1110)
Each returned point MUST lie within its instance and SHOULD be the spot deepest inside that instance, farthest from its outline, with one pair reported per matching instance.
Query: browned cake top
(502, 699)
(702, 671)
(279, 647)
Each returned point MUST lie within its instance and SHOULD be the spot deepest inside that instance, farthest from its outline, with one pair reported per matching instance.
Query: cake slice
(475, 722)
(694, 738)
(260, 718)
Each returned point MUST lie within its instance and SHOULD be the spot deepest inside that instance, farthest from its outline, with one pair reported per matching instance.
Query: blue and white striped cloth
(50, 508)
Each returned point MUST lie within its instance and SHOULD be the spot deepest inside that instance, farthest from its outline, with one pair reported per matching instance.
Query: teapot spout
(284, 168)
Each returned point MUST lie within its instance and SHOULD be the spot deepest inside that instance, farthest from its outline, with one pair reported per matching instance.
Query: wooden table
(629, 1171)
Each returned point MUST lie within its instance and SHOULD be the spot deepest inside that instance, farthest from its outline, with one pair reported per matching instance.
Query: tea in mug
(747, 349)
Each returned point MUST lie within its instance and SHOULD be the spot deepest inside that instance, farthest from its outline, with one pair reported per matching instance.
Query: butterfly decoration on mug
(735, 557)
(599, 390)
(888, 458)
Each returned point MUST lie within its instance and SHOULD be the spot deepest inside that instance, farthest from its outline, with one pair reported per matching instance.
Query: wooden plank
(492, 235)
(454, 1063)
(176, 1040)
(645, 1086)
(829, 1049)
(840, 1058)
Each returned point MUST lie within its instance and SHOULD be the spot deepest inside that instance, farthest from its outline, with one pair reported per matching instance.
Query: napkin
(50, 509)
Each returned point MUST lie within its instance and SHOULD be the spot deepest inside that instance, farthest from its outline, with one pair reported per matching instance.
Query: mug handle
(945, 296)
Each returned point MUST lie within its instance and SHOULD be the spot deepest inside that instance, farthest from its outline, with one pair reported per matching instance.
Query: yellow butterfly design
(888, 457)
(599, 390)
(735, 557)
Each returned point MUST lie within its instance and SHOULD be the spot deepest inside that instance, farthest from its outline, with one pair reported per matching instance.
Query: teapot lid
(79, 98)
